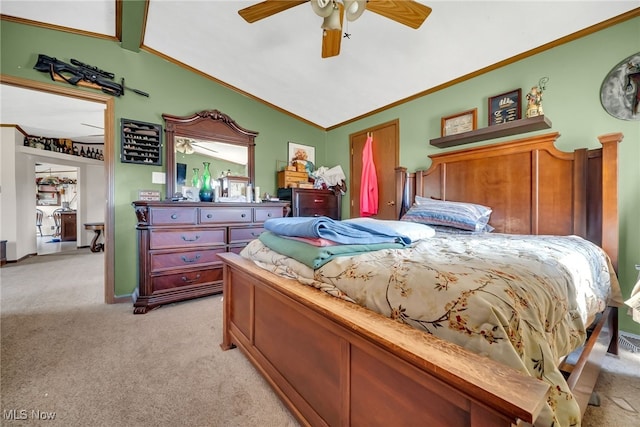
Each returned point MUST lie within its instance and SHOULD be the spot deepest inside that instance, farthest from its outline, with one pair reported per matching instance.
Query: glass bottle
(206, 191)
(195, 179)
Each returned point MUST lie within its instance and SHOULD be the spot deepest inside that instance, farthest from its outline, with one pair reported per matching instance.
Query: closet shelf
(495, 131)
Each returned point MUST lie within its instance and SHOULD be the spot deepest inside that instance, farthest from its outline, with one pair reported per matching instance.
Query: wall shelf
(141, 143)
(495, 131)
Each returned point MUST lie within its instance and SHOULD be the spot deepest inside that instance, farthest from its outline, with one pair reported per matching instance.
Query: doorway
(108, 125)
(56, 194)
(386, 156)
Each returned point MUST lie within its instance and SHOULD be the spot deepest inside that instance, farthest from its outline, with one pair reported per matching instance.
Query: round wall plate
(621, 88)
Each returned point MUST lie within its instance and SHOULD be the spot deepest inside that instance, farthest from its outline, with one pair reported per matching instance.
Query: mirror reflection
(224, 159)
(206, 137)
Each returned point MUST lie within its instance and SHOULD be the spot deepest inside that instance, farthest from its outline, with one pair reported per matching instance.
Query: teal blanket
(316, 256)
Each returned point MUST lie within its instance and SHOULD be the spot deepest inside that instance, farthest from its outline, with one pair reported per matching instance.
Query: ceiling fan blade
(267, 8)
(331, 43)
(407, 12)
(331, 38)
(92, 126)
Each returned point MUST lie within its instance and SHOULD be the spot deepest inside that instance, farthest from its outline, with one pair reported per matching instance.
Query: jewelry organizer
(141, 142)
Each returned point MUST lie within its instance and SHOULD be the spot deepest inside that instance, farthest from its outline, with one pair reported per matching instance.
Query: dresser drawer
(172, 260)
(236, 249)
(170, 282)
(244, 234)
(173, 216)
(316, 200)
(263, 214)
(331, 213)
(225, 215)
(160, 239)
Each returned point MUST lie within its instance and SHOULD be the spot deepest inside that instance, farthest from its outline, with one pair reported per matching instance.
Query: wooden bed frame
(335, 363)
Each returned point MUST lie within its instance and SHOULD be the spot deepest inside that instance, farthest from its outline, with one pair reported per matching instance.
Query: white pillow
(413, 230)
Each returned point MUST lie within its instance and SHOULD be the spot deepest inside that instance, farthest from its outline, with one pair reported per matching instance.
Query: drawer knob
(269, 215)
(190, 239)
(243, 215)
(194, 259)
(185, 279)
(318, 200)
(209, 216)
(174, 216)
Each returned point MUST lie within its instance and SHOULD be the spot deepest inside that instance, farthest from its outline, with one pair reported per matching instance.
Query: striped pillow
(465, 216)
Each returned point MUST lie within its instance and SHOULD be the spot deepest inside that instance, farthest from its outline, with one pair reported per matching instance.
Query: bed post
(610, 222)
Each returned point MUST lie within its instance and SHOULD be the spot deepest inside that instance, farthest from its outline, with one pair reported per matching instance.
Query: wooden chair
(39, 217)
(57, 219)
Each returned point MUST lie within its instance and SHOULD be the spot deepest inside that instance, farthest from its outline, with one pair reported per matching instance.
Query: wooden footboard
(335, 363)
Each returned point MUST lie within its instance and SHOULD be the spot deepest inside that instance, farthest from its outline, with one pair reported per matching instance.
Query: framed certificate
(505, 107)
(459, 123)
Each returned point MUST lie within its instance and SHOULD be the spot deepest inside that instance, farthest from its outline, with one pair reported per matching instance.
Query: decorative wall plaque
(620, 90)
(459, 123)
(505, 107)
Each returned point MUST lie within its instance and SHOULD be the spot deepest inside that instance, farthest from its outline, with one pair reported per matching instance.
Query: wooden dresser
(68, 226)
(307, 202)
(178, 243)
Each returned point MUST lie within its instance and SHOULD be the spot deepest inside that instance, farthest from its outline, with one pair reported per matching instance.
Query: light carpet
(66, 353)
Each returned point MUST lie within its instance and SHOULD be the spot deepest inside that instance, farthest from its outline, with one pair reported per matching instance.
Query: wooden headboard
(532, 187)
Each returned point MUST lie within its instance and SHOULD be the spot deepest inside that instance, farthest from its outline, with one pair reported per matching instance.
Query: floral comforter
(520, 300)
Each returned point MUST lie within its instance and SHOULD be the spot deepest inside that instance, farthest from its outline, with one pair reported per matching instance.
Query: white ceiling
(278, 59)
(52, 116)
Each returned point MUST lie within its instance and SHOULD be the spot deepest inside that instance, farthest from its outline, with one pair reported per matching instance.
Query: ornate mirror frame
(210, 125)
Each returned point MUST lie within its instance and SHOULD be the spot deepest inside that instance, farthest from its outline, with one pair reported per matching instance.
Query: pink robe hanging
(369, 181)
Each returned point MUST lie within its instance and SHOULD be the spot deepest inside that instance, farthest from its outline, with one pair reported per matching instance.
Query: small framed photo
(299, 153)
(191, 194)
(505, 107)
(459, 123)
(234, 186)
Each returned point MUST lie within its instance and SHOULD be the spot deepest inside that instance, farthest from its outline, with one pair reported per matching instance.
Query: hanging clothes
(369, 181)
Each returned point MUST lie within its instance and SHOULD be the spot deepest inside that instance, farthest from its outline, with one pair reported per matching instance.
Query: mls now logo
(23, 414)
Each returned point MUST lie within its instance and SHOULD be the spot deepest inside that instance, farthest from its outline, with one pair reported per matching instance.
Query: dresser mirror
(207, 136)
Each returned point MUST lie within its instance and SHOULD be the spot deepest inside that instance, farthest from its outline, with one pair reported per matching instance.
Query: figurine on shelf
(534, 98)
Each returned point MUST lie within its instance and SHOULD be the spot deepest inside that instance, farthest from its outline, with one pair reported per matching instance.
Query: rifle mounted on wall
(80, 74)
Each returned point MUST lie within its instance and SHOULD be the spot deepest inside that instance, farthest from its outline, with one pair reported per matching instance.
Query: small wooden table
(98, 228)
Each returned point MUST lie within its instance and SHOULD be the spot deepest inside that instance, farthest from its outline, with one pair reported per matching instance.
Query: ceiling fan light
(322, 8)
(354, 8)
(332, 22)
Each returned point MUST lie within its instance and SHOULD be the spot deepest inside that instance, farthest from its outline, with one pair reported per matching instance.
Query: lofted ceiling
(278, 61)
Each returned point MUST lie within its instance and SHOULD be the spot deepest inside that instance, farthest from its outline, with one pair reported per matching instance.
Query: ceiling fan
(406, 12)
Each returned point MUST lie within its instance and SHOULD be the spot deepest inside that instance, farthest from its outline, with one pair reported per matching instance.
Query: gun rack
(141, 143)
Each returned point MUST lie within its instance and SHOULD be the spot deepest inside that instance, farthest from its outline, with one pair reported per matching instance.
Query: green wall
(172, 90)
(571, 101)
